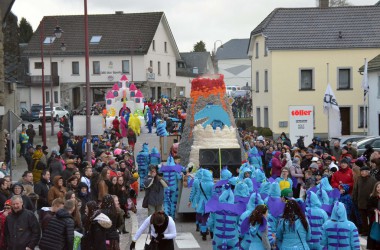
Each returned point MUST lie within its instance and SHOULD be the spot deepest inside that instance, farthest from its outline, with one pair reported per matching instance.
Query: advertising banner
(301, 123)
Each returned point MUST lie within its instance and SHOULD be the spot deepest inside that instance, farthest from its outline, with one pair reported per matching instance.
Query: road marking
(186, 240)
(141, 242)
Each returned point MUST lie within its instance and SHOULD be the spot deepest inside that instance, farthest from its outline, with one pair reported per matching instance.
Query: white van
(231, 88)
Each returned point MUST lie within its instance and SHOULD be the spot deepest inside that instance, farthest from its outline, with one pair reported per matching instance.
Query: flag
(365, 85)
(331, 108)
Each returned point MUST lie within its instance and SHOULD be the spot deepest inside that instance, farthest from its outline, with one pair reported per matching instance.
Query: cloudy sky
(190, 20)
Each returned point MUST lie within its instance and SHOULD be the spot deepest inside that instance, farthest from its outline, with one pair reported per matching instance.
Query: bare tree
(339, 3)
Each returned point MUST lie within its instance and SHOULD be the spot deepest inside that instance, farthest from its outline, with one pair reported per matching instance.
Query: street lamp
(87, 66)
(214, 54)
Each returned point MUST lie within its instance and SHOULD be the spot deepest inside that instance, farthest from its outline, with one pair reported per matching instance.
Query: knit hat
(345, 160)
(68, 149)
(345, 148)
(287, 193)
(364, 168)
(8, 202)
(314, 165)
(359, 163)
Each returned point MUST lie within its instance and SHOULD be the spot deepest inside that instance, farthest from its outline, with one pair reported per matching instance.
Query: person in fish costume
(143, 160)
(155, 157)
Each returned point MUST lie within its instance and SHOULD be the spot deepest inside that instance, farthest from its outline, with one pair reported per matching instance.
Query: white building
(373, 97)
(138, 45)
(233, 62)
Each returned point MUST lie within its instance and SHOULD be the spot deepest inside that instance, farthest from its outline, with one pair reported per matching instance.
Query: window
(154, 45)
(257, 82)
(361, 117)
(266, 117)
(344, 80)
(265, 48)
(159, 68)
(55, 96)
(168, 69)
(95, 39)
(38, 65)
(75, 68)
(258, 116)
(49, 40)
(266, 81)
(166, 47)
(125, 66)
(96, 67)
(257, 50)
(47, 97)
(151, 63)
(306, 81)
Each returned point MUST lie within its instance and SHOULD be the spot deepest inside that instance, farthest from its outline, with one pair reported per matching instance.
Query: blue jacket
(155, 156)
(292, 237)
(195, 188)
(254, 158)
(244, 170)
(260, 239)
(316, 216)
(338, 232)
(206, 184)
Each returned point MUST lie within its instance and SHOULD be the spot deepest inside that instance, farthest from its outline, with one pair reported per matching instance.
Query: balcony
(36, 81)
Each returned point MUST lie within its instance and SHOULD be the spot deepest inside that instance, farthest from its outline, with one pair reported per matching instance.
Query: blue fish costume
(155, 157)
(195, 189)
(254, 158)
(143, 160)
(241, 193)
(339, 232)
(172, 175)
(275, 205)
(223, 222)
(224, 178)
(161, 128)
(204, 194)
(317, 217)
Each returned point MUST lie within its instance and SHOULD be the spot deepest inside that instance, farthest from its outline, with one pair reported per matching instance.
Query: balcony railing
(36, 81)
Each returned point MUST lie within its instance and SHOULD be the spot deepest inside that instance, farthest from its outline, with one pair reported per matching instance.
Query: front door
(54, 68)
(345, 117)
(158, 92)
(76, 97)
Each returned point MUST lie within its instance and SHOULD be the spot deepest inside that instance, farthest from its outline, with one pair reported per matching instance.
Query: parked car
(35, 110)
(26, 115)
(374, 141)
(345, 139)
(58, 112)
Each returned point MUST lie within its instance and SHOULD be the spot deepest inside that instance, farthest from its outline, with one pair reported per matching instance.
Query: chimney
(323, 4)
(119, 12)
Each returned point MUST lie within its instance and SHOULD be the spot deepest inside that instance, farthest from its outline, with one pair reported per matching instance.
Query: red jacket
(60, 138)
(276, 165)
(344, 176)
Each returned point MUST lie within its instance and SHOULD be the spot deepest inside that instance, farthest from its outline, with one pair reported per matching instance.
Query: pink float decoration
(124, 78)
(115, 87)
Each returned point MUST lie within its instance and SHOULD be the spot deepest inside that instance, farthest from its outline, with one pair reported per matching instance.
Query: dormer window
(49, 40)
(95, 39)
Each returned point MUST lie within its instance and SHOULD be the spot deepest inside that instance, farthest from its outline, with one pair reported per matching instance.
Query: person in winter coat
(4, 192)
(362, 190)
(317, 217)
(116, 124)
(276, 165)
(56, 166)
(23, 139)
(31, 133)
(343, 176)
(297, 176)
(339, 225)
(143, 160)
(223, 221)
(373, 208)
(59, 233)
(108, 208)
(83, 195)
(244, 220)
(57, 191)
(154, 191)
(300, 143)
(131, 135)
(18, 189)
(162, 231)
(293, 229)
(173, 174)
(3, 215)
(42, 189)
(123, 127)
(22, 230)
(204, 194)
(259, 232)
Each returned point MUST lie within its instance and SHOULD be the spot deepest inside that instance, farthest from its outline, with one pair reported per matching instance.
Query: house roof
(5, 7)
(319, 28)
(120, 33)
(233, 49)
(196, 59)
(373, 65)
(377, 4)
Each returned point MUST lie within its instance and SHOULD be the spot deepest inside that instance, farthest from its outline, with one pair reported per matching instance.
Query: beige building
(290, 51)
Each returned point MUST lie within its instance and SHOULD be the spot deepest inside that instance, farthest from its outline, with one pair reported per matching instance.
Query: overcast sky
(189, 20)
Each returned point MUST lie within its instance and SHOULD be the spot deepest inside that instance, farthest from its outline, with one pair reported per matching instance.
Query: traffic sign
(15, 121)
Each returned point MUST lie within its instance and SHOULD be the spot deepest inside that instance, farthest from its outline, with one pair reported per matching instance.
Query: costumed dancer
(206, 185)
(223, 220)
(243, 226)
(259, 231)
(254, 158)
(225, 175)
(161, 128)
(275, 205)
(172, 174)
(143, 160)
(149, 120)
(341, 226)
(241, 193)
(123, 126)
(317, 217)
(195, 189)
(155, 157)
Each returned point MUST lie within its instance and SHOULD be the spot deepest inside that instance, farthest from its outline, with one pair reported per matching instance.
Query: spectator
(3, 215)
(338, 224)
(47, 213)
(58, 190)
(4, 192)
(86, 178)
(336, 151)
(297, 176)
(42, 190)
(72, 183)
(18, 189)
(103, 183)
(28, 156)
(351, 150)
(154, 191)
(360, 195)
(69, 171)
(108, 208)
(31, 134)
(20, 218)
(375, 168)
(343, 176)
(59, 233)
(56, 166)
(277, 165)
(23, 140)
(27, 179)
(373, 208)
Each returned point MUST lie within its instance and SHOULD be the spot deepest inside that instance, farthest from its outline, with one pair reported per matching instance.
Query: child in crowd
(346, 199)
(135, 187)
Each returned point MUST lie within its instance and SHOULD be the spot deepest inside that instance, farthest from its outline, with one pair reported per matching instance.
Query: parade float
(210, 138)
(124, 96)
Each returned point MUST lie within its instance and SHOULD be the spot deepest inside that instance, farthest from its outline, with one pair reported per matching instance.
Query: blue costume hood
(241, 189)
(254, 201)
(249, 183)
(145, 148)
(207, 176)
(170, 161)
(275, 190)
(325, 185)
(154, 151)
(227, 197)
(260, 176)
(233, 181)
(243, 171)
(226, 174)
(339, 212)
(312, 200)
(265, 189)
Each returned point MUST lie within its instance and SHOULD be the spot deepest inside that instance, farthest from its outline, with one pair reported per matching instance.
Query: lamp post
(214, 55)
(87, 65)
